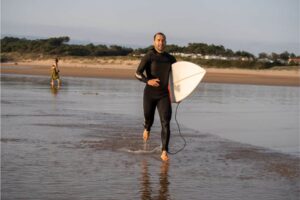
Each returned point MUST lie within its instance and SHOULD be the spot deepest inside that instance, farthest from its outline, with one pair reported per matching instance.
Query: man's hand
(153, 82)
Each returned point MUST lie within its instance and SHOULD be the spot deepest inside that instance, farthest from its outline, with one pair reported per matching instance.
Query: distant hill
(201, 53)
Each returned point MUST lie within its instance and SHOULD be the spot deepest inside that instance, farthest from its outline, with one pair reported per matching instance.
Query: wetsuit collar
(154, 50)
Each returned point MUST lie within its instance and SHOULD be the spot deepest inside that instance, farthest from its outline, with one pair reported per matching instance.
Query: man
(55, 74)
(157, 66)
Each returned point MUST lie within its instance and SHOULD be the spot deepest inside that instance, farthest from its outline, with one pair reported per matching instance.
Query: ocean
(84, 141)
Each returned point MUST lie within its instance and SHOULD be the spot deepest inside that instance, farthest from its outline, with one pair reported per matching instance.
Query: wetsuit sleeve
(173, 60)
(139, 74)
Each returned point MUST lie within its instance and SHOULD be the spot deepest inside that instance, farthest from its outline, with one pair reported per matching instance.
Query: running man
(157, 66)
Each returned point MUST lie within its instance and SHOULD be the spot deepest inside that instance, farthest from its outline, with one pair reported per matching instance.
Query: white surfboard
(184, 79)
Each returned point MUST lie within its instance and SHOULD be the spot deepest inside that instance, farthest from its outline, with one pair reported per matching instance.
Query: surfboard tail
(170, 95)
(171, 89)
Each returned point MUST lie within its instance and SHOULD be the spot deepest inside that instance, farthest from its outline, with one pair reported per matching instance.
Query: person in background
(55, 74)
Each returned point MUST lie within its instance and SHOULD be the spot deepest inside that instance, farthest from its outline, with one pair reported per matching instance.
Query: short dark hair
(159, 33)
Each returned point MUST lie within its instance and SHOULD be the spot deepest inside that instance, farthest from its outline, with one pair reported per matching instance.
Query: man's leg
(149, 112)
(52, 83)
(58, 82)
(165, 113)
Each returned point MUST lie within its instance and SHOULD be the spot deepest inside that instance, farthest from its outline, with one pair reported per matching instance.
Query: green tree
(274, 56)
(263, 55)
(285, 55)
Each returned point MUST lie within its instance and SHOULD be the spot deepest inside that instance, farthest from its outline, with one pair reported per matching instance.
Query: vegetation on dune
(200, 53)
(59, 47)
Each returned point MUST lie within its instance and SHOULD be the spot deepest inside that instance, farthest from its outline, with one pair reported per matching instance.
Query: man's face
(159, 43)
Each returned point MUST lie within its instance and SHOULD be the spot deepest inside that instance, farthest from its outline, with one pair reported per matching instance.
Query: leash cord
(173, 153)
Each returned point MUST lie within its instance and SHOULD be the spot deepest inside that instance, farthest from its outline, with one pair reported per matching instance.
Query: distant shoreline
(126, 69)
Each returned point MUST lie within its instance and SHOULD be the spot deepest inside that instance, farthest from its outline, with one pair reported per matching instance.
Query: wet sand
(65, 144)
(126, 71)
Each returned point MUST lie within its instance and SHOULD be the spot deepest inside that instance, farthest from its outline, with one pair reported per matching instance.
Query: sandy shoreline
(126, 70)
(61, 144)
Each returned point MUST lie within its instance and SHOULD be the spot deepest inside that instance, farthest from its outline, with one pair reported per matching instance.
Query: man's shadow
(146, 190)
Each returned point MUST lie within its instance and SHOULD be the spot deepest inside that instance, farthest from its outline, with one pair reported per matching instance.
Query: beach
(80, 79)
(125, 69)
(84, 141)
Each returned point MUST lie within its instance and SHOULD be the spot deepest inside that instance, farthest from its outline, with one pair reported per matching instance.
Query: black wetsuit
(157, 65)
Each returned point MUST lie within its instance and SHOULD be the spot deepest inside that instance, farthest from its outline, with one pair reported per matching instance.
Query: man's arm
(139, 74)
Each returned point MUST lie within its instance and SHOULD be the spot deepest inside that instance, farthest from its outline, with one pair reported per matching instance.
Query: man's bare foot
(146, 135)
(164, 156)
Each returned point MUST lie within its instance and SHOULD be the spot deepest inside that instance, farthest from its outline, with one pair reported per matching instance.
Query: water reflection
(54, 90)
(163, 180)
(146, 189)
(145, 182)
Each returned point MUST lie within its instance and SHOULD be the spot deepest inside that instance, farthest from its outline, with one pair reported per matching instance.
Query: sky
(251, 25)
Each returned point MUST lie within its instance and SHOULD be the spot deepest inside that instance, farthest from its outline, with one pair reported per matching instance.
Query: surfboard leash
(173, 153)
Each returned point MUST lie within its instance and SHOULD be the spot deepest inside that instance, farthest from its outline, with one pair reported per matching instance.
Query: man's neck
(158, 51)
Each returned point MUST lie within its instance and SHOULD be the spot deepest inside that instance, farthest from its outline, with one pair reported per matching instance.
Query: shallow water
(83, 141)
(266, 116)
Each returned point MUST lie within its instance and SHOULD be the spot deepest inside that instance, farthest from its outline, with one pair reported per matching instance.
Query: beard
(160, 48)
